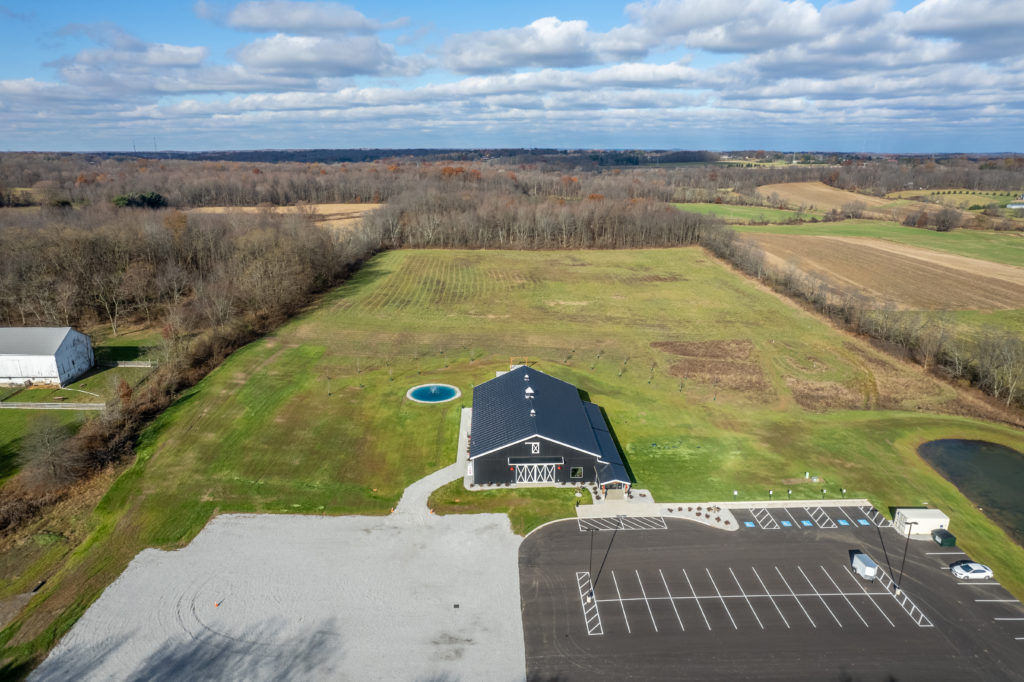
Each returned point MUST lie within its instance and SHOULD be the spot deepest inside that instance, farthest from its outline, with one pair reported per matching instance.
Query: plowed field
(818, 195)
(903, 275)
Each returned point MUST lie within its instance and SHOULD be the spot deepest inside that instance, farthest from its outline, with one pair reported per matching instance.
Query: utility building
(529, 427)
(43, 355)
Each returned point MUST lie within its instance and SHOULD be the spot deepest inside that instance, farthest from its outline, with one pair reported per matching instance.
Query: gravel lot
(261, 597)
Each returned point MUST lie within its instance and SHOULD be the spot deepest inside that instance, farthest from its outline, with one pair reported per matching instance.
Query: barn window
(534, 447)
(576, 472)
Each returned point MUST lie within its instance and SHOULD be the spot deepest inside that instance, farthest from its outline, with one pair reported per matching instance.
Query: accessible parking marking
(820, 517)
(764, 518)
(875, 517)
(590, 612)
(622, 523)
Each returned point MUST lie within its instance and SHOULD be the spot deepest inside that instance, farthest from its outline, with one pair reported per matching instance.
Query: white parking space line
(671, 600)
(764, 518)
(820, 517)
(590, 612)
(974, 584)
(622, 523)
(847, 516)
(797, 599)
(694, 592)
(942, 553)
(769, 595)
(747, 598)
(819, 595)
(795, 522)
(719, 593)
(860, 584)
(644, 592)
(844, 595)
(624, 616)
(1008, 619)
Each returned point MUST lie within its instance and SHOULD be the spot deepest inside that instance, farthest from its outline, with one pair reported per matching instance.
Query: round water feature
(433, 393)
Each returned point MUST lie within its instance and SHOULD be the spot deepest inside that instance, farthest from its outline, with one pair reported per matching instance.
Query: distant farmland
(906, 276)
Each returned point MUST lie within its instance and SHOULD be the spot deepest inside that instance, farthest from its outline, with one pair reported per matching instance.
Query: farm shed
(924, 520)
(43, 355)
(529, 427)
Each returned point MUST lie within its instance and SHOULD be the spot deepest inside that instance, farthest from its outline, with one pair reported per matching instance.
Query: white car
(970, 570)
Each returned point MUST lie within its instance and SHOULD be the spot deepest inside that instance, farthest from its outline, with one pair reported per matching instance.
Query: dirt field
(818, 195)
(905, 276)
(338, 216)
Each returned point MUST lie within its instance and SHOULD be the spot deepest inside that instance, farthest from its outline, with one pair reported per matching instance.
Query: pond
(988, 474)
(433, 393)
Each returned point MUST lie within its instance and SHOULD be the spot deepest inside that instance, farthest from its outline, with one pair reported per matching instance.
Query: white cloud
(781, 65)
(545, 42)
(303, 18)
(321, 56)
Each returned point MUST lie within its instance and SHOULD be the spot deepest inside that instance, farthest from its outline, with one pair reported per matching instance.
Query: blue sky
(858, 75)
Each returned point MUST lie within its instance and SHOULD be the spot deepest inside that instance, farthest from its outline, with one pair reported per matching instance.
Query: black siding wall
(494, 467)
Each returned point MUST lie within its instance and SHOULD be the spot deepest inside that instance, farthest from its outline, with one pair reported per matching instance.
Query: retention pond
(989, 474)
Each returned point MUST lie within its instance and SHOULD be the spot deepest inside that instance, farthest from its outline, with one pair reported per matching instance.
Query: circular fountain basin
(433, 393)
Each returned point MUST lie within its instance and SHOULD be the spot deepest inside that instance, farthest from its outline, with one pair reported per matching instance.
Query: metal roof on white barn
(32, 340)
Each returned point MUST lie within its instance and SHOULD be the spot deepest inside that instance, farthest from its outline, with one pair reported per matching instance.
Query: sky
(792, 75)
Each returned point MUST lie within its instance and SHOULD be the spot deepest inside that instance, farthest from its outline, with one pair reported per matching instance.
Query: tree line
(991, 361)
(210, 283)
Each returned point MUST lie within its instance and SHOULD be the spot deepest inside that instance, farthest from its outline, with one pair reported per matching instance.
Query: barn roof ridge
(32, 340)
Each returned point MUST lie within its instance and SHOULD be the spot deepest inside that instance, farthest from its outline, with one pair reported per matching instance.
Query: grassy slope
(747, 214)
(15, 425)
(263, 434)
(998, 247)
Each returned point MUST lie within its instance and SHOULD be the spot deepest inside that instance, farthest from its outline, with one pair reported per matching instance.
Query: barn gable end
(529, 427)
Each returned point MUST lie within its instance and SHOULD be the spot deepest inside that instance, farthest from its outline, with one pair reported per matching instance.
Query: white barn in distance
(43, 355)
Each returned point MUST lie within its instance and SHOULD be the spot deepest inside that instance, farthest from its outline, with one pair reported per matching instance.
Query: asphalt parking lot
(770, 601)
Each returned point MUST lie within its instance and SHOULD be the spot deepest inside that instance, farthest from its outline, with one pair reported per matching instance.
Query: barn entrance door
(535, 473)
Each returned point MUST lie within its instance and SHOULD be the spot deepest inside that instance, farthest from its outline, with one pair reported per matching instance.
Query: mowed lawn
(998, 247)
(710, 385)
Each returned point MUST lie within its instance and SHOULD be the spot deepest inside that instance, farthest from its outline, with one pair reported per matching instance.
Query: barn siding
(73, 358)
(494, 467)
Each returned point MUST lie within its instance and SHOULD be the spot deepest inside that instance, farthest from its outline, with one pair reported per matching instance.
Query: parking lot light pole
(899, 582)
(770, 495)
(823, 491)
(843, 491)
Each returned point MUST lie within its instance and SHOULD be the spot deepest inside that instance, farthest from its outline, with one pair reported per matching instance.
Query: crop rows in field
(426, 280)
(899, 274)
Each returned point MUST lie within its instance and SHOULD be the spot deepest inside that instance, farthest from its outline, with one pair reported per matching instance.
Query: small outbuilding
(529, 427)
(918, 521)
(43, 355)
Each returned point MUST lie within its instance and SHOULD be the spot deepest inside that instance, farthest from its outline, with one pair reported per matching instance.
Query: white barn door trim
(535, 473)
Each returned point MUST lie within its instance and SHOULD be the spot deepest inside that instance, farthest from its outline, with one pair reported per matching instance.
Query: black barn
(529, 427)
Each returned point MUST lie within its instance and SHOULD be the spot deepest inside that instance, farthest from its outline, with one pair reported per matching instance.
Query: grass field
(710, 385)
(957, 198)
(746, 215)
(15, 425)
(818, 195)
(998, 247)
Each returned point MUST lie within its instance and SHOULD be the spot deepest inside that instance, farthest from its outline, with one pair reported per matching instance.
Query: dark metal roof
(501, 412)
(501, 417)
(610, 469)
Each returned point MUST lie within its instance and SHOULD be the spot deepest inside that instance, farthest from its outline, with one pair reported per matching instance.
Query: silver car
(971, 570)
